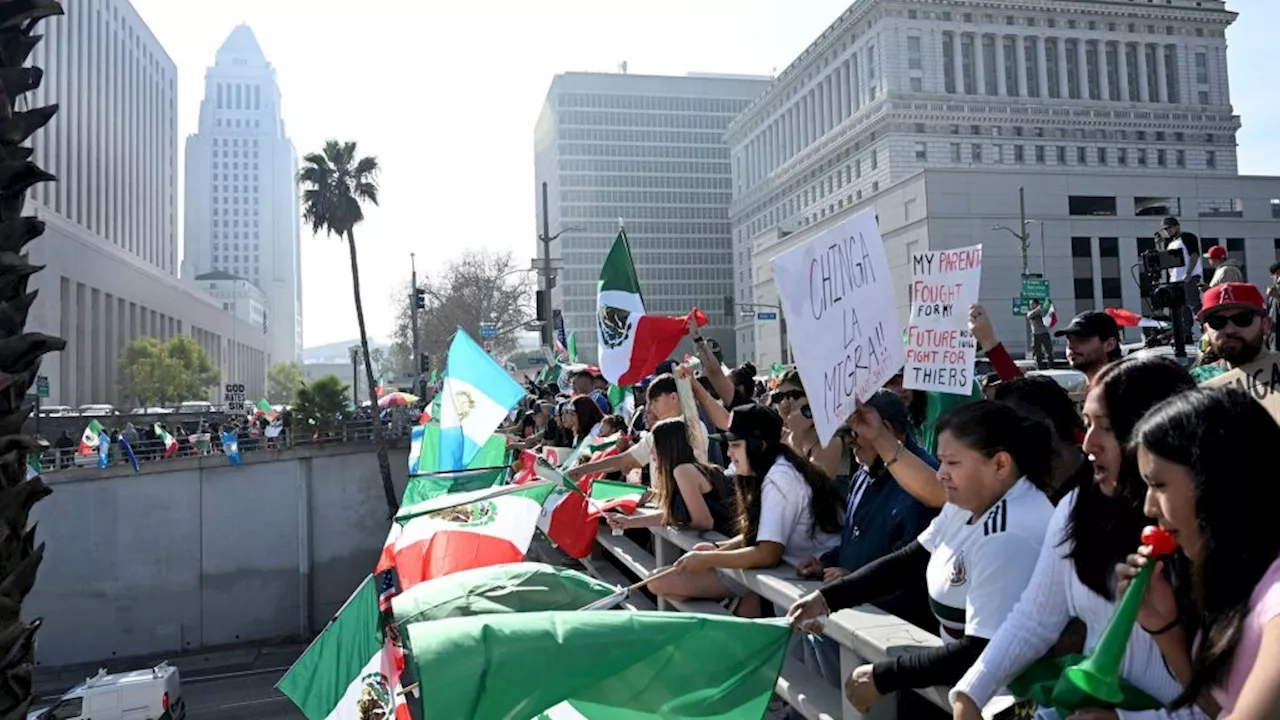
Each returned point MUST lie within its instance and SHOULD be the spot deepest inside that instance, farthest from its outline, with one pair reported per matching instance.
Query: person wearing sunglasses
(1236, 322)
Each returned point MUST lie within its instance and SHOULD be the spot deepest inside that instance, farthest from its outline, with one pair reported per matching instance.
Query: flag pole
(636, 586)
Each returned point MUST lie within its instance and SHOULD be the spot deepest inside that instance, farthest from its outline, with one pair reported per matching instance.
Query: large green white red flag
(351, 671)
(632, 342)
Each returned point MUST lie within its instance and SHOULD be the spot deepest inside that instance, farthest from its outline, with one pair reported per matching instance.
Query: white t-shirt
(977, 571)
(785, 516)
(642, 451)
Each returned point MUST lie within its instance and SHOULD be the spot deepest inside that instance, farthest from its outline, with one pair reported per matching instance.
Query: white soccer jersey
(978, 570)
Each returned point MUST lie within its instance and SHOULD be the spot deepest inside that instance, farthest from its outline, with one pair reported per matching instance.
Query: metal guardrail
(148, 451)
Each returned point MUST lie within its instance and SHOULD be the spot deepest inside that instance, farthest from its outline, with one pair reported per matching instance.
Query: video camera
(1154, 264)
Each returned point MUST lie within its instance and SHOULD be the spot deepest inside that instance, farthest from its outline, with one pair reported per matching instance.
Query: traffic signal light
(424, 363)
(419, 299)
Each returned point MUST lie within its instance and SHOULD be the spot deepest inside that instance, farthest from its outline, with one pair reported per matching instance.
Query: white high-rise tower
(242, 206)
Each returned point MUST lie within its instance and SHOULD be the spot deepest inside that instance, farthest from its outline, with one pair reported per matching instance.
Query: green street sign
(42, 386)
(1022, 305)
(1035, 288)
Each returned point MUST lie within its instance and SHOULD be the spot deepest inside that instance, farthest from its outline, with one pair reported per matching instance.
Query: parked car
(154, 694)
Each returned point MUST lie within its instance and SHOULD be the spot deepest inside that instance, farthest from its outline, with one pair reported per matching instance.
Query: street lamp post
(1022, 235)
(546, 270)
(753, 308)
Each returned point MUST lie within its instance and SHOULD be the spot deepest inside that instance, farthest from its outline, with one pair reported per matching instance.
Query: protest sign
(940, 349)
(838, 299)
(1260, 378)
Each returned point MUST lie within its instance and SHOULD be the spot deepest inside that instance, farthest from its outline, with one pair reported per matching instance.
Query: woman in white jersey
(1092, 529)
(977, 555)
(788, 510)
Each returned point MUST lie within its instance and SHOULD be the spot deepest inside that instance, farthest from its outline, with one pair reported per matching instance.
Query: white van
(154, 694)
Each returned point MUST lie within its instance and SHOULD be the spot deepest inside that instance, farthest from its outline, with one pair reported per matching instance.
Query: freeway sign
(42, 386)
(766, 316)
(1022, 305)
(488, 330)
(1034, 287)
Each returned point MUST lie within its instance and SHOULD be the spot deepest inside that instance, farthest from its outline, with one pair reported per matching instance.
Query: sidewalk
(217, 661)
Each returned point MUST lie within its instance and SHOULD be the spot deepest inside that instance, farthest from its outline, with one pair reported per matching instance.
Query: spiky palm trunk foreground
(20, 352)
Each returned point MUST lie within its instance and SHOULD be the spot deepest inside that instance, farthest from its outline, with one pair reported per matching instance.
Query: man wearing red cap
(1224, 269)
(1235, 320)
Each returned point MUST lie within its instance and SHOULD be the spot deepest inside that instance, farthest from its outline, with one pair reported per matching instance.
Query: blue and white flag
(104, 450)
(231, 447)
(128, 452)
(478, 394)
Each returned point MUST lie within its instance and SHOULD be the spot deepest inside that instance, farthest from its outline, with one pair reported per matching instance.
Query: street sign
(42, 386)
(488, 330)
(766, 316)
(1034, 287)
(536, 361)
(233, 397)
(1022, 305)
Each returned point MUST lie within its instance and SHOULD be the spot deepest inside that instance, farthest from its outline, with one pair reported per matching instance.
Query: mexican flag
(610, 495)
(597, 665)
(170, 444)
(424, 450)
(264, 409)
(89, 439)
(514, 587)
(351, 671)
(461, 531)
(1050, 316)
(1129, 318)
(631, 342)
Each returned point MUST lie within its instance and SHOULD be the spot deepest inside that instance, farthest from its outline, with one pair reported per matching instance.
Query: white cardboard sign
(940, 348)
(837, 294)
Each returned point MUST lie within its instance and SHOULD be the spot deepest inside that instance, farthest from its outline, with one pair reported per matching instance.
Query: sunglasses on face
(787, 395)
(1240, 320)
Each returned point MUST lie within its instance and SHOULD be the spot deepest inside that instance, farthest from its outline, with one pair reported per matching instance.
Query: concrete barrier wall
(194, 553)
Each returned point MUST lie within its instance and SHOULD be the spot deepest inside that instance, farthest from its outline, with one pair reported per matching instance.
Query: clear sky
(445, 94)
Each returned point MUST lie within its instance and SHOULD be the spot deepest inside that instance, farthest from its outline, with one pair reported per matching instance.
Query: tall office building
(242, 205)
(1073, 87)
(110, 251)
(648, 151)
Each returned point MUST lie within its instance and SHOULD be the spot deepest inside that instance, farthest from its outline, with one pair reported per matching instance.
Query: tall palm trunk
(20, 351)
(379, 440)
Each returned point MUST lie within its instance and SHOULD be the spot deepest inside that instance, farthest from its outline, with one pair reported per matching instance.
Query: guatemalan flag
(478, 394)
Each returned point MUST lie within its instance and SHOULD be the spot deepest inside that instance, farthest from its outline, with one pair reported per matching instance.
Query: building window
(1109, 261)
(1160, 158)
(1142, 157)
(1033, 67)
(1082, 273)
(1236, 251)
(1202, 68)
(967, 62)
(917, 84)
(948, 63)
(975, 152)
(1082, 155)
(1061, 152)
(915, 60)
(1018, 156)
(1122, 157)
(1180, 158)
(1102, 156)
(1156, 206)
(1221, 208)
(998, 153)
(1091, 205)
(1275, 207)
(955, 152)
(1210, 159)
(1039, 154)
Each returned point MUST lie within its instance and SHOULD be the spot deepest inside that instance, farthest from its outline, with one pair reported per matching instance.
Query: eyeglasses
(1241, 320)
(779, 396)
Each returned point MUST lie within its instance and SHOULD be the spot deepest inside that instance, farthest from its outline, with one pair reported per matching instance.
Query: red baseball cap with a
(1232, 296)
(1217, 252)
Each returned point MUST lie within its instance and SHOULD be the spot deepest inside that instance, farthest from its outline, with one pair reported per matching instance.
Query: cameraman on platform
(1171, 237)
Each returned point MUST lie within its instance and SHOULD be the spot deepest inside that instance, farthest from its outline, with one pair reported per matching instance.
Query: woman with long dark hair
(1092, 529)
(787, 509)
(976, 556)
(1221, 511)
(689, 493)
(584, 417)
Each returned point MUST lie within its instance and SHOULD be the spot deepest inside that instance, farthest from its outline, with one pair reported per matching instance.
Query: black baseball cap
(1171, 221)
(1091, 323)
(891, 409)
(753, 422)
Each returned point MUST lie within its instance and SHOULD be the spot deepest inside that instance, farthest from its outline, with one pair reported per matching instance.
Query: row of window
(233, 195)
(646, 167)
(602, 118)
(656, 182)
(631, 135)
(651, 260)
(239, 96)
(236, 124)
(671, 152)
(1051, 22)
(657, 305)
(1018, 131)
(643, 242)
(1106, 206)
(649, 277)
(647, 197)
(661, 103)
(1100, 156)
(649, 227)
(235, 235)
(235, 142)
(640, 212)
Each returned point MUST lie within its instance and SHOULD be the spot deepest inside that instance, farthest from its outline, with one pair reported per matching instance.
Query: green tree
(335, 183)
(20, 351)
(161, 374)
(283, 381)
(321, 407)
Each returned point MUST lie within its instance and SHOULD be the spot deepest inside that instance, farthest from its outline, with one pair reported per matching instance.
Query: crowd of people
(1006, 521)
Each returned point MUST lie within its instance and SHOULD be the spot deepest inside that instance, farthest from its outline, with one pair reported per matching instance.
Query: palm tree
(20, 351)
(335, 183)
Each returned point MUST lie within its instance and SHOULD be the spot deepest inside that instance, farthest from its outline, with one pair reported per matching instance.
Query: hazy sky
(445, 94)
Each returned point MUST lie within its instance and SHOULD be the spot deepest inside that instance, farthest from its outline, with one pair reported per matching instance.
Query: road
(246, 695)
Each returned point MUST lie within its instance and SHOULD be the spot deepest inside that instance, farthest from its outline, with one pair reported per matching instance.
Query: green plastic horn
(1099, 675)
